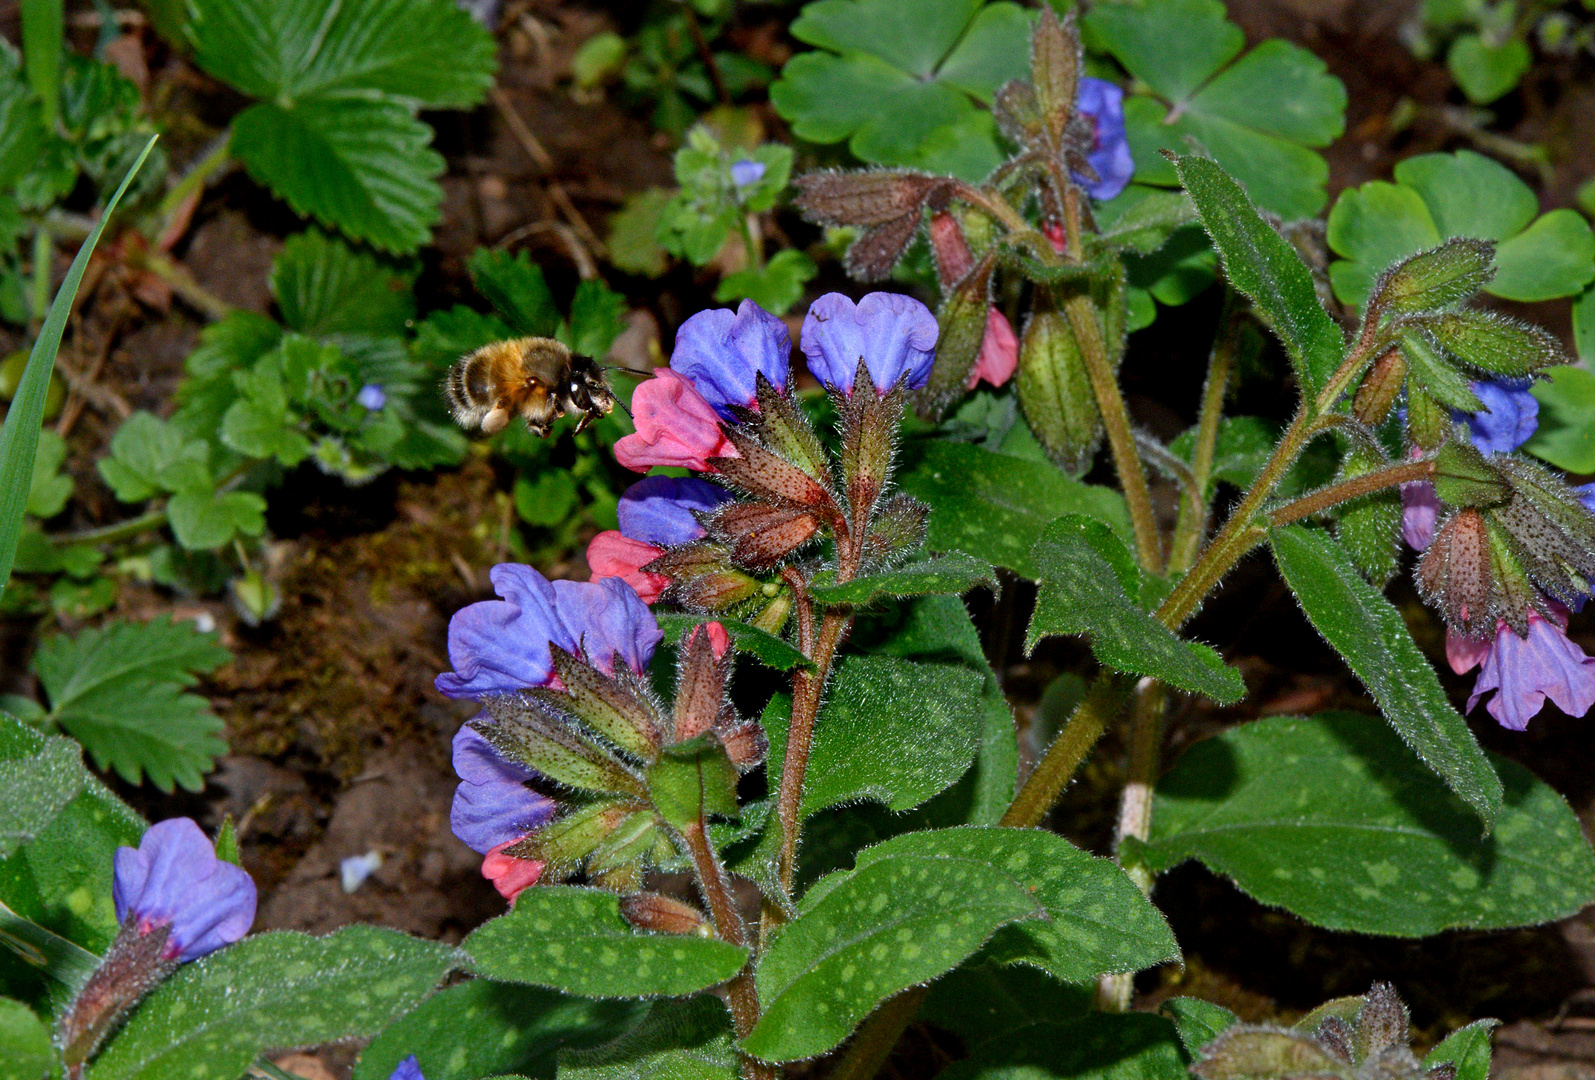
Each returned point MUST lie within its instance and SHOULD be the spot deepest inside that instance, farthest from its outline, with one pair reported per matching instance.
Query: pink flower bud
(953, 259)
(675, 426)
(999, 352)
(509, 875)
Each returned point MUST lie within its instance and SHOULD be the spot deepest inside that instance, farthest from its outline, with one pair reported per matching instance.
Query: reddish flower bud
(999, 352)
(947, 242)
(662, 915)
(509, 875)
(1380, 388)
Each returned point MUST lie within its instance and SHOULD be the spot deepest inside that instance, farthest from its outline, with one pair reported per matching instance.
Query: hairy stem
(1192, 522)
(808, 686)
(1316, 502)
(182, 283)
(215, 159)
(1057, 767)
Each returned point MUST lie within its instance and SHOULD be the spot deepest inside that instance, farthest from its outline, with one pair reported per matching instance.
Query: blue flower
(1103, 103)
(721, 351)
(493, 805)
(174, 879)
(372, 397)
(1586, 495)
(745, 172)
(659, 510)
(893, 333)
(1510, 416)
(499, 646)
(408, 1069)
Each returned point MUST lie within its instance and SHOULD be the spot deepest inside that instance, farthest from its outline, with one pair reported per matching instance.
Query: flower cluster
(1479, 562)
(655, 514)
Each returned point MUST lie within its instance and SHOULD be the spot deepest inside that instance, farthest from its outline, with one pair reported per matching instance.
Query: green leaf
(19, 437)
(25, 1050)
(898, 82)
(1485, 71)
(1096, 921)
(426, 52)
(1554, 257)
(119, 690)
(516, 288)
(1242, 448)
(275, 989)
(1262, 265)
(1566, 435)
(982, 1001)
(891, 731)
(1103, 1046)
(874, 931)
(323, 286)
(1584, 325)
(49, 490)
(1257, 116)
(150, 455)
(359, 163)
(1439, 278)
(632, 231)
(954, 573)
(205, 520)
(574, 940)
(1089, 584)
(1468, 1048)
(995, 506)
(58, 873)
(1198, 1022)
(481, 1028)
(1369, 634)
(1377, 224)
(775, 287)
(597, 318)
(1328, 817)
(693, 781)
(770, 650)
(673, 1040)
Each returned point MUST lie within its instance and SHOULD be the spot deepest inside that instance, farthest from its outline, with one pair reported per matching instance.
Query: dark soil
(340, 744)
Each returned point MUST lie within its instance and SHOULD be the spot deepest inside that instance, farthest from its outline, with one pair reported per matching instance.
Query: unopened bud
(760, 535)
(1428, 422)
(619, 712)
(702, 577)
(700, 687)
(897, 531)
(662, 915)
(1380, 388)
(886, 205)
(947, 243)
(745, 743)
(961, 319)
(1455, 573)
(1055, 392)
(764, 474)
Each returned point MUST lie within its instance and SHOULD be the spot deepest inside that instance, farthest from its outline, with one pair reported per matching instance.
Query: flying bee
(537, 377)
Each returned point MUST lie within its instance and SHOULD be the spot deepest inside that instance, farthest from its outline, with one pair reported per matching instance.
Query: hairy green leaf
(873, 932)
(672, 1040)
(275, 989)
(206, 520)
(481, 1028)
(150, 455)
(1089, 584)
(1261, 264)
(323, 286)
(1102, 1046)
(1330, 817)
(1468, 1048)
(995, 506)
(517, 290)
(983, 1001)
(48, 489)
(574, 939)
(25, 1050)
(953, 573)
(768, 649)
(119, 689)
(1369, 634)
(1198, 1022)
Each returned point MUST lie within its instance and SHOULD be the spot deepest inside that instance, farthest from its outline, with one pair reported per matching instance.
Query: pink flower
(612, 555)
(1054, 232)
(999, 352)
(675, 426)
(1523, 672)
(509, 875)
(719, 640)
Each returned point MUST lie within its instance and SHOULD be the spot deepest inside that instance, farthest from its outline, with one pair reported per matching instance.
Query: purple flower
(721, 351)
(1509, 418)
(1586, 495)
(659, 510)
(498, 646)
(608, 621)
(174, 879)
(747, 172)
(1103, 103)
(408, 1069)
(493, 805)
(1420, 509)
(1523, 672)
(372, 397)
(893, 333)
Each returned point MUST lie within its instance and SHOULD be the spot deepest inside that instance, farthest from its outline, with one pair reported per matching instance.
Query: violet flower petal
(408, 1069)
(1524, 672)
(1103, 102)
(722, 351)
(492, 804)
(659, 510)
(501, 645)
(1420, 510)
(608, 620)
(173, 878)
(746, 172)
(893, 333)
(1510, 417)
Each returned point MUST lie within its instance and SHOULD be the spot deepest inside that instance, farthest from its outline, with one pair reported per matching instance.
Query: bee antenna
(627, 411)
(624, 370)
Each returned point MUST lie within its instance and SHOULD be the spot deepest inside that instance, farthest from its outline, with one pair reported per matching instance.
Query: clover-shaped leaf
(1439, 196)
(900, 81)
(1259, 116)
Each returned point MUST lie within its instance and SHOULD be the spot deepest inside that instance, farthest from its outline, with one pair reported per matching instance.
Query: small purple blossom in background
(408, 1069)
(659, 510)
(1509, 419)
(1420, 510)
(722, 351)
(1524, 672)
(1103, 103)
(372, 397)
(745, 172)
(492, 805)
(1586, 495)
(894, 334)
(174, 879)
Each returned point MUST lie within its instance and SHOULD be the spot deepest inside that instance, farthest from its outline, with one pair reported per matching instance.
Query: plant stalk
(182, 283)
(1192, 523)
(1316, 502)
(1057, 767)
(807, 687)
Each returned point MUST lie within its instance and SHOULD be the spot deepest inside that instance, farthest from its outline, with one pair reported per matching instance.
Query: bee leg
(495, 420)
(581, 425)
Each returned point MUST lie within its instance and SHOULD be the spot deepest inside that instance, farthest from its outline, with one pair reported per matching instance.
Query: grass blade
(19, 439)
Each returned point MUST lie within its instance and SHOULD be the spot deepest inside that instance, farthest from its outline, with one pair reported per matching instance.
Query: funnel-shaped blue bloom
(174, 879)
